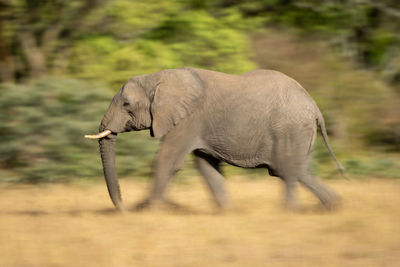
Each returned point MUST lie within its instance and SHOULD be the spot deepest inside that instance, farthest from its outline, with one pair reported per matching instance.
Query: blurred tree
(97, 39)
(172, 40)
(6, 61)
(365, 31)
(34, 28)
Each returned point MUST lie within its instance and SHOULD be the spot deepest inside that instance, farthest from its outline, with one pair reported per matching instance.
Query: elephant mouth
(99, 135)
(131, 126)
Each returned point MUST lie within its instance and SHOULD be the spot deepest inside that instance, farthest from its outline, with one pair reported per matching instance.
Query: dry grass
(73, 225)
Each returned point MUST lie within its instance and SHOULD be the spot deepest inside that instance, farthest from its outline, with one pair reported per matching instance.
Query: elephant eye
(125, 104)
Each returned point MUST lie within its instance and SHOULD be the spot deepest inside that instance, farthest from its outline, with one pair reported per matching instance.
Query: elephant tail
(321, 124)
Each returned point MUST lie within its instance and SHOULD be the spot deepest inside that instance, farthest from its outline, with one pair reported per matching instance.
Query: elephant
(259, 119)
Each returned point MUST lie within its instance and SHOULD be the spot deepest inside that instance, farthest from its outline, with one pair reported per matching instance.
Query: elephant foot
(330, 200)
(223, 207)
(334, 204)
(292, 207)
(156, 204)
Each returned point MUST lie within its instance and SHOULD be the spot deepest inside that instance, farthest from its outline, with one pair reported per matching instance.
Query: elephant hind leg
(328, 197)
(209, 168)
(291, 174)
(290, 179)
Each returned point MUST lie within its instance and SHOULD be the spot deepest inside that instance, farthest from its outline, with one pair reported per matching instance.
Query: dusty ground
(73, 225)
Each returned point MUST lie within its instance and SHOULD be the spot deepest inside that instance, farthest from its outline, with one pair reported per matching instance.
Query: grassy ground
(73, 225)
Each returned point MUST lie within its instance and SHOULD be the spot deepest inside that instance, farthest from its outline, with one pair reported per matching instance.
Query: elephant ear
(177, 95)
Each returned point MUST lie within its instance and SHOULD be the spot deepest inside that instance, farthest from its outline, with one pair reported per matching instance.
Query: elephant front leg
(209, 168)
(169, 160)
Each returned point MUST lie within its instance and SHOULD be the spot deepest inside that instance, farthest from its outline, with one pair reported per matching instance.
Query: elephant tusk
(99, 135)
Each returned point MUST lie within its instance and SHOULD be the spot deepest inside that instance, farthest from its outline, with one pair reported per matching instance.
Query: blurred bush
(379, 167)
(192, 38)
(42, 126)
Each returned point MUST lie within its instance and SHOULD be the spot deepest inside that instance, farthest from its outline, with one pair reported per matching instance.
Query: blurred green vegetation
(193, 38)
(61, 61)
(42, 126)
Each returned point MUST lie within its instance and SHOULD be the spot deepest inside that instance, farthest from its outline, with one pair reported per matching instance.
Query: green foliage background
(42, 127)
(191, 38)
(43, 119)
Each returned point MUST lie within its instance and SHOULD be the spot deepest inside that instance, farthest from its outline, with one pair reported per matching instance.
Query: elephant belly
(240, 146)
(256, 142)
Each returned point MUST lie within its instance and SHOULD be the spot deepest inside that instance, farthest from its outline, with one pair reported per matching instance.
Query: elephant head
(157, 102)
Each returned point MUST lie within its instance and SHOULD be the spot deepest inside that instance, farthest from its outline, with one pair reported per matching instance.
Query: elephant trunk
(107, 152)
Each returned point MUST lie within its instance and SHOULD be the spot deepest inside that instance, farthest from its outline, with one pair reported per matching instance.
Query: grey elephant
(262, 118)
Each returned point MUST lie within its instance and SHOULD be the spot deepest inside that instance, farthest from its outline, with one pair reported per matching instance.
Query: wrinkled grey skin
(261, 118)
